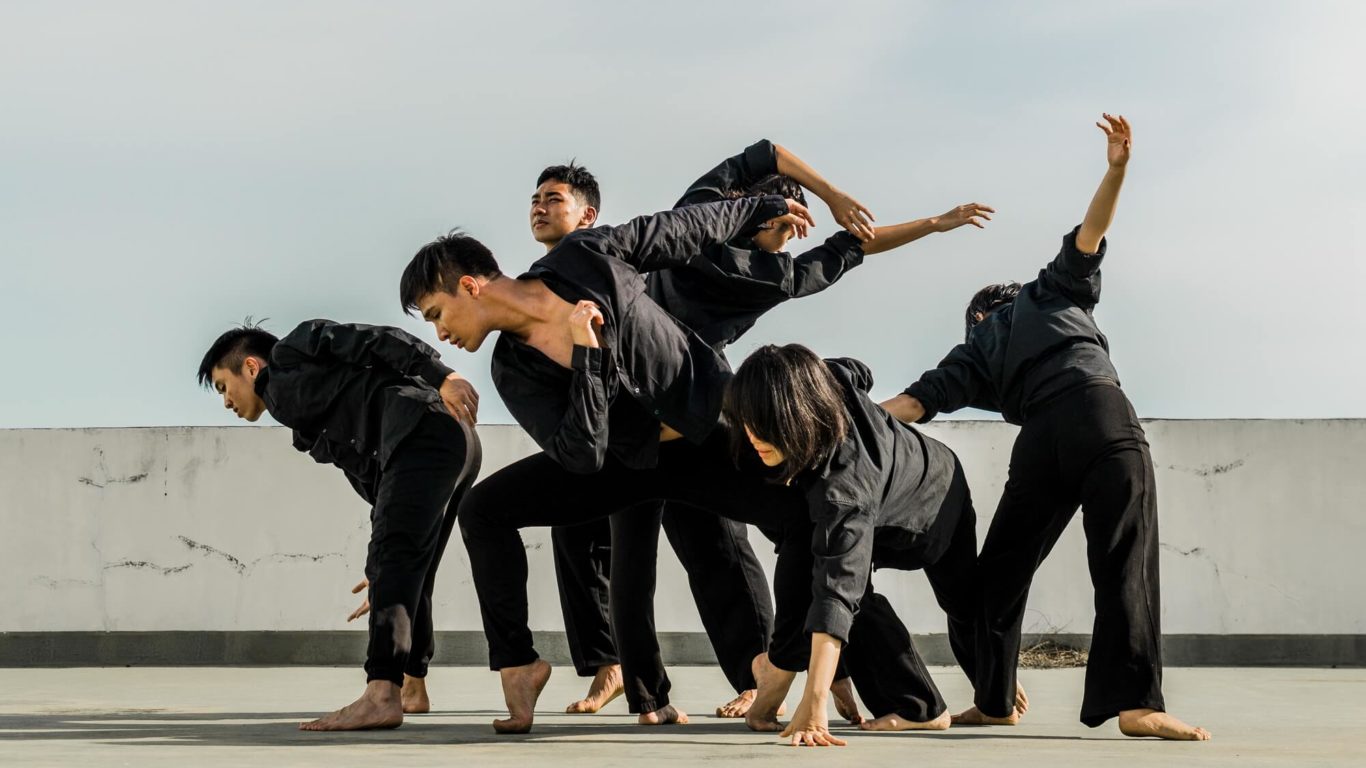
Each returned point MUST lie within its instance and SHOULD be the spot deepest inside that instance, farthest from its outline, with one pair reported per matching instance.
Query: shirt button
(353, 441)
(635, 390)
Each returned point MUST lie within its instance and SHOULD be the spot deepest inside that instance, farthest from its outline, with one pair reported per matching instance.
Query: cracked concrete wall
(1262, 527)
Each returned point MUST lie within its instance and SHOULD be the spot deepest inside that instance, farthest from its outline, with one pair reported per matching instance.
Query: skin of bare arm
(897, 235)
(1118, 143)
(847, 212)
(810, 725)
(904, 408)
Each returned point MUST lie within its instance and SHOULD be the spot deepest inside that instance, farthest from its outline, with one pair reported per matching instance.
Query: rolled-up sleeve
(1074, 274)
(842, 546)
(734, 174)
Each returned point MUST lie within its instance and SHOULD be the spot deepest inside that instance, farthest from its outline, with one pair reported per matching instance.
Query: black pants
(1085, 449)
(413, 515)
(536, 491)
(880, 658)
(716, 555)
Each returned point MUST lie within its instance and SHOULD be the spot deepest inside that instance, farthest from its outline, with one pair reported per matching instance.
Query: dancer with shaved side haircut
(379, 405)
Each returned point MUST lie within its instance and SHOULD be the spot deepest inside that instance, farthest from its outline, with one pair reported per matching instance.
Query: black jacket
(874, 503)
(1030, 351)
(666, 373)
(723, 292)
(351, 393)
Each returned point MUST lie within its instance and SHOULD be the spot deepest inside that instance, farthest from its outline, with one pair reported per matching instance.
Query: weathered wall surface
(1263, 524)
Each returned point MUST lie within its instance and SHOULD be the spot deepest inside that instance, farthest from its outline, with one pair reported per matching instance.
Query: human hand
(582, 320)
(851, 214)
(1119, 139)
(460, 398)
(968, 213)
(810, 726)
(365, 604)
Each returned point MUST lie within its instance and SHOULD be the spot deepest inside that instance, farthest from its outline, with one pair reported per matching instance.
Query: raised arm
(734, 174)
(1118, 142)
(672, 238)
(847, 212)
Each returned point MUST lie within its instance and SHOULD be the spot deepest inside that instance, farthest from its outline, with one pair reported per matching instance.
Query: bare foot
(378, 707)
(974, 716)
(774, 684)
(738, 706)
(1021, 700)
(842, 691)
(414, 696)
(666, 715)
(606, 686)
(898, 723)
(1150, 722)
(521, 687)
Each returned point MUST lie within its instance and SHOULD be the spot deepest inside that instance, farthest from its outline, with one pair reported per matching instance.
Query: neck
(518, 306)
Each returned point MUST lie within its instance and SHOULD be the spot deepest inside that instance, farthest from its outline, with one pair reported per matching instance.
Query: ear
(471, 285)
(589, 217)
(251, 366)
(979, 316)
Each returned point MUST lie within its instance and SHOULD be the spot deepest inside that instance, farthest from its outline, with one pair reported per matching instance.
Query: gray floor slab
(235, 716)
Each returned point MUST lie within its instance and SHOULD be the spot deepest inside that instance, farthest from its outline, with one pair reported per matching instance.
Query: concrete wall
(228, 529)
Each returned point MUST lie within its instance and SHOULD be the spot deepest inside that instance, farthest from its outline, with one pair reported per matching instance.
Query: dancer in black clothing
(1035, 354)
(601, 378)
(379, 405)
(878, 495)
(719, 294)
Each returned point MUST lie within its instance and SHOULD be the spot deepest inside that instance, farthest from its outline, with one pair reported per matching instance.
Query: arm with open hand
(1101, 212)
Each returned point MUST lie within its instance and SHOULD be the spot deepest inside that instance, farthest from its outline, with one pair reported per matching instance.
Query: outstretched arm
(1118, 142)
(848, 212)
(897, 235)
(672, 238)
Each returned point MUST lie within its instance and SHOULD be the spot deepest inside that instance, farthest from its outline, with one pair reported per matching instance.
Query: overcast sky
(168, 168)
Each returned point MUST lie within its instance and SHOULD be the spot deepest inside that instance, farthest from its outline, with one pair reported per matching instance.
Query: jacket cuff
(920, 392)
(831, 617)
(587, 359)
(762, 158)
(435, 372)
(1069, 249)
(851, 246)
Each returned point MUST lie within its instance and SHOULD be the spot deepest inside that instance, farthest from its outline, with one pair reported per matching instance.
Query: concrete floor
(232, 716)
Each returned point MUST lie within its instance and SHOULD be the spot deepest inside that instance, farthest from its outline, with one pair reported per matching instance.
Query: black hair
(989, 298)
(580, 181)
(772, 184)
(440, 265)
(787, 397)
(233, 348)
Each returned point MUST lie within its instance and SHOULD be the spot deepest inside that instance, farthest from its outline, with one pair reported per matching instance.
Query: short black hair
(773, 184)
(580, 181)
(789, 398)
(440, 265)
(989, 298)
(233, 348)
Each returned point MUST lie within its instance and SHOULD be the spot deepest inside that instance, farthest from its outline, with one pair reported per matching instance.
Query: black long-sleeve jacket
(873, 503)
(1025, 353)
(351, 393)
(666, 373)
(723, 292)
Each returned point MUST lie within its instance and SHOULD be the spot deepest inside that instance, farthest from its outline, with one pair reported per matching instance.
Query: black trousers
(537, 491)
(411, 521)
(1084, 449)
(883, 663)
(716, 555)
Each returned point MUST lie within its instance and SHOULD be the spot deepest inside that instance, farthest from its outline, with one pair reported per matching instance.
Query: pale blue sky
(167, 168)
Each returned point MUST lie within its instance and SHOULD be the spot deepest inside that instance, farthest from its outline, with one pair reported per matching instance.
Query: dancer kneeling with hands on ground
(878, 494)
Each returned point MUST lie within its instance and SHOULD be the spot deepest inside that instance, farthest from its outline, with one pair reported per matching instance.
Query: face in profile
(768, 452)
(239, 389)
(456, 316)
(556, 211)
